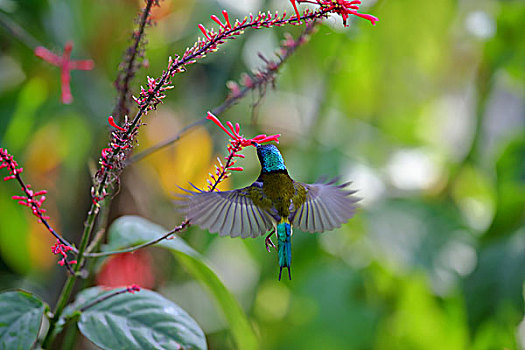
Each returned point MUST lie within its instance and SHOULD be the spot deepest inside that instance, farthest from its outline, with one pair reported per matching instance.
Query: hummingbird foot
(268, 242)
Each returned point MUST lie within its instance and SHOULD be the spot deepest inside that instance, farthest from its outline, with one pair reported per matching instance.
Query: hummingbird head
(270, 158)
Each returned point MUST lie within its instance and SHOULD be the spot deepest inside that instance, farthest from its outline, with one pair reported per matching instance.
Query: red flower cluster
(62, 249)
(113, 157)
(342, 7)
(227, 31)
(154, 93)
(151, 96)
(261, 78)
(346, 8)
(237, 143)
(7, 161)
(33, 200)
(133, 288)
(66, 65)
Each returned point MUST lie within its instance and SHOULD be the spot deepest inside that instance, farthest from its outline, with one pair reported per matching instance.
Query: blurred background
(423, 112)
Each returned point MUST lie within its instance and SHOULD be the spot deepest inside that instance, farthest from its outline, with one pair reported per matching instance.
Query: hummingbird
(273, 202)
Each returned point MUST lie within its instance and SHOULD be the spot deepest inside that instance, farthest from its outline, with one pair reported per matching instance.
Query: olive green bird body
(278, 187)
(273, 202)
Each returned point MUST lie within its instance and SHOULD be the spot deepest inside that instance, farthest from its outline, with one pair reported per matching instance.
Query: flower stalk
(237, 143)
(33, 200)
(259, 80)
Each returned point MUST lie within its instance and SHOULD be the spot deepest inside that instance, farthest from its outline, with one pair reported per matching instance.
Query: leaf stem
(179, 228)
(113, 293)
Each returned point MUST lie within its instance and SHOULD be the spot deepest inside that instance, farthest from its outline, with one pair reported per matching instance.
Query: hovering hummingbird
(273, 202)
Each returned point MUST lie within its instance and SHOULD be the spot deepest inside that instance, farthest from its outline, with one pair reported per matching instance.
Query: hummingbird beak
(254, 143)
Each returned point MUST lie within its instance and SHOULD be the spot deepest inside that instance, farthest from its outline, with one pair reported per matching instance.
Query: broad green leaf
(20, 318)
(132, 230)
(143, 320)
(30, 99)
(510, 187)
(499, 274)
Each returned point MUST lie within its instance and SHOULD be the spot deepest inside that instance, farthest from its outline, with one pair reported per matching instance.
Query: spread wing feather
(227, 213)
(326, 206)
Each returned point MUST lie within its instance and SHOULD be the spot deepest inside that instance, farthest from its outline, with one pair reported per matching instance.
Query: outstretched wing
(326, 206)
(228, 213)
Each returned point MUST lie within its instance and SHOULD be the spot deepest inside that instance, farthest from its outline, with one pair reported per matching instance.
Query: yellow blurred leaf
(188, 160)
(39, 243)
(42, 153)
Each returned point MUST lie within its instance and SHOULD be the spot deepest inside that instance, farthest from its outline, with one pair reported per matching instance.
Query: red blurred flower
(128, 269)
(66, 65)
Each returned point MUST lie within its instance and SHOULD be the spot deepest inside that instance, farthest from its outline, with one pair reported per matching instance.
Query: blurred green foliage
(424, 112)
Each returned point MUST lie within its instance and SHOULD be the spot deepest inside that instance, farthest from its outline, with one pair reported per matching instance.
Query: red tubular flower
(345, 9)
(237, 143)
(203, 30)
(66, 65)
(294, 4)
(237, 138)
(214, 119)
(227, 19)
(111, 122)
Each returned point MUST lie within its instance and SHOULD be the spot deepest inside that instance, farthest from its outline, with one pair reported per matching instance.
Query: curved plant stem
(68, 286)
(179, 228)
(140, 155)
(265, 76)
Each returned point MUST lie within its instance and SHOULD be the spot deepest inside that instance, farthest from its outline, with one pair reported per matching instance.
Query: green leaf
(128, 231)
(20, 319)
(510, 186)
(143, 320)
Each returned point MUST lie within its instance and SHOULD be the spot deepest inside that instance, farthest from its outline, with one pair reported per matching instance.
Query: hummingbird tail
(284, 236)
(289, 272)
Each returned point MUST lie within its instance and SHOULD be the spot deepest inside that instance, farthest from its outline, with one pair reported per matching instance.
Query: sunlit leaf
(510, 190)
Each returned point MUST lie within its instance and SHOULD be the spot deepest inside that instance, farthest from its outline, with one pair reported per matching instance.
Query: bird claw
(269, 244)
